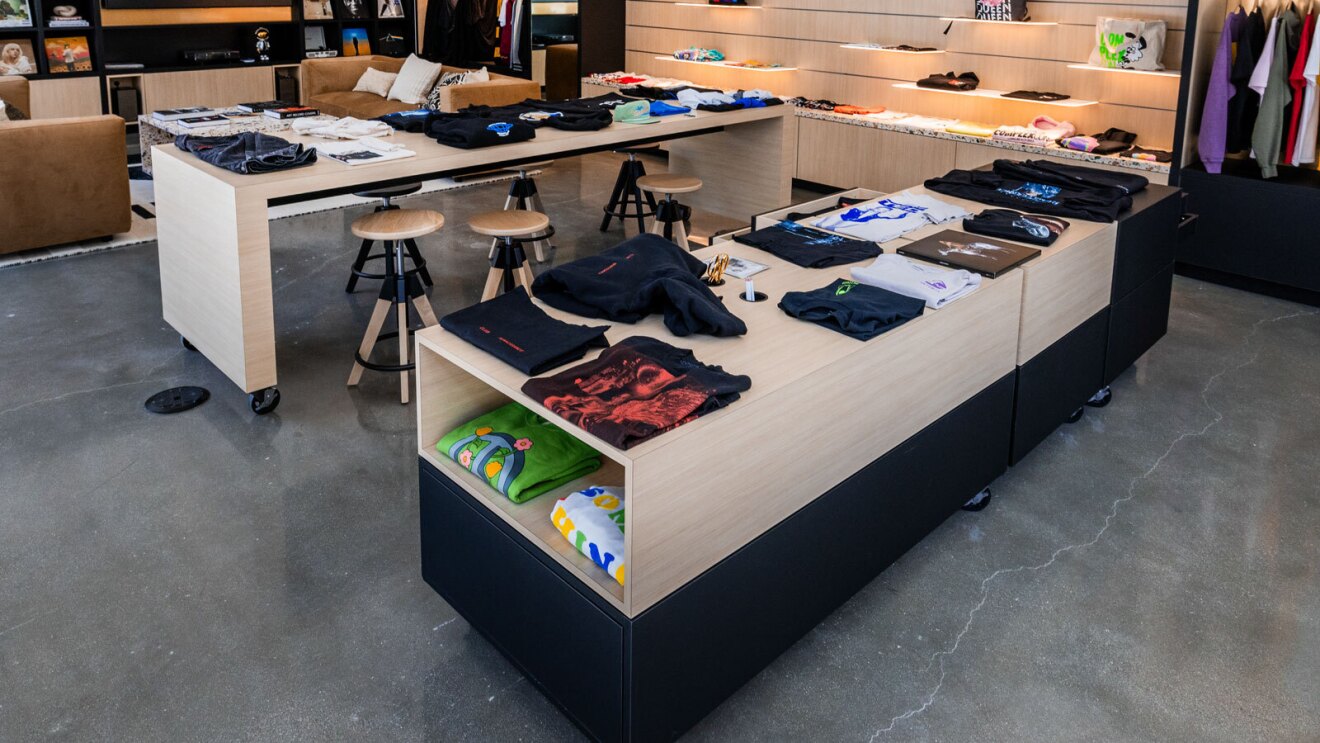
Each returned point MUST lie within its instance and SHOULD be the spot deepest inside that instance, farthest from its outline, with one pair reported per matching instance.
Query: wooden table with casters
(214, 235)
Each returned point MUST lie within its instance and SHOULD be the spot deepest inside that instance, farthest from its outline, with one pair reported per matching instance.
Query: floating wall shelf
(873, 48)
(998, 95)
(719, 5)
(729, 66)
(1000, 23)
(1153, 73)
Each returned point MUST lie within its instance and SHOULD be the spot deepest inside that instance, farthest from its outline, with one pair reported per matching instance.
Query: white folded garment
(693, 98)
(345, 128)
(937, 286)
(891, 216)
(592, 521)
(757, 93)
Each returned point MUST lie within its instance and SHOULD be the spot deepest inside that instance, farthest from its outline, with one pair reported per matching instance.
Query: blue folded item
(750, 102)
(660, 108)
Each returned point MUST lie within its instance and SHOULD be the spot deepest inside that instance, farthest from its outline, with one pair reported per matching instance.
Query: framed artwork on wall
(16, 57)
(318, 10)
(356, 42)
(68, 54)
(353, 9)
(15, 14)
(389, 9)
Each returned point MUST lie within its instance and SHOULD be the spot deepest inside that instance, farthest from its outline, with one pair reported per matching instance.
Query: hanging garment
(1297, 86)
(853, 308)
(1212, 141)
(1310, 126)
(637, 390)
(935, 286)
(1267, 137)
(1244, 105)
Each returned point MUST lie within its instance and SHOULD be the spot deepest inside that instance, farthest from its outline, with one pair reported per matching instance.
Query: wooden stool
(401, 288)
(627, 197)
(508, 266)
(523, 195)
(670, 215)
(364, 253)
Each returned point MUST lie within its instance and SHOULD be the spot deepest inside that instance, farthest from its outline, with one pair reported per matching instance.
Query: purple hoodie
(1214, 118)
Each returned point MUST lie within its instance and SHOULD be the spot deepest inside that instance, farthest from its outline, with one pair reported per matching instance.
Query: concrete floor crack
(940, 657)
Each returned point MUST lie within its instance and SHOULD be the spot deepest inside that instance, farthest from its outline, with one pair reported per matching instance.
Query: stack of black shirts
(637, 390)
(803, 246)
(517, 332)
(661, 94)
(1010, 225)
(470, 132)
(638, 277)
(856, 310)
(1045, 187)
(412, 120)
(558, 115)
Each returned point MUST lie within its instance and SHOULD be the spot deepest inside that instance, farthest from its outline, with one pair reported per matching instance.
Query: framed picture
(356, 42)
(389, 9)
(348, 9)
(16, 57)
(318, 10)
(68, 54)
(15, 14)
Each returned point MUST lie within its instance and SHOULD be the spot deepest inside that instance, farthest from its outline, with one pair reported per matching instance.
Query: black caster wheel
(1077, 414)
(264, 401)
(186, 344)
(1101, 398)
(980, 502)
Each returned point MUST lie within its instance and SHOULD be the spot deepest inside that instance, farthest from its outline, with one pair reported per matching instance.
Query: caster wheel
(184, 342)
(980, 502)
(1101, 398)
(264, 401)
(1077, 414)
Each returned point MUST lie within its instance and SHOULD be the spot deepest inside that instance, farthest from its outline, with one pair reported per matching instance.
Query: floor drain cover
(177, 400)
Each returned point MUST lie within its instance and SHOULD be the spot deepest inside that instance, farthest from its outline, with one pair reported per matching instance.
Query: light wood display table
(214, 232)
(750, 525)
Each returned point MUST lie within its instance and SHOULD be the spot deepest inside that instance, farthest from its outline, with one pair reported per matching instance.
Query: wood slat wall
(807, 34)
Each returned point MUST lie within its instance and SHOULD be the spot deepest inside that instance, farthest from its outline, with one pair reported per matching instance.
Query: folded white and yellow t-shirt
(592, 521)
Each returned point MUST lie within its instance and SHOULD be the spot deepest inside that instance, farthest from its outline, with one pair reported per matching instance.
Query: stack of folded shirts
(471, 132)
(971, 128)
(949, 81)
(852, 308)
(934, 286)
(1012, 225)
(893, 216)
(1042, 131)
(592, 521)
(859, 110)
(640, 276)
(518, 453)
(803, 246)
(345, 128)
(517, 332)
(636, 390)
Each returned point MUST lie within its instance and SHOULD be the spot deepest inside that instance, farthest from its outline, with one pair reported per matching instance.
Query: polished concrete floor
(1149, 573)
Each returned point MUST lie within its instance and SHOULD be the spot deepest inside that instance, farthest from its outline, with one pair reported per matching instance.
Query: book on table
(174, 114)
(199, 122)
(260, 106)
(363, 151)
(291, 112)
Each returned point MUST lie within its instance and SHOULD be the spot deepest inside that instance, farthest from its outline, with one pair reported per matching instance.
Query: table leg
(215, 276)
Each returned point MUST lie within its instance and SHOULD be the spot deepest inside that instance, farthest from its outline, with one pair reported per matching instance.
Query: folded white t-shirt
(592, 521)
(891, 216)
(937, 286)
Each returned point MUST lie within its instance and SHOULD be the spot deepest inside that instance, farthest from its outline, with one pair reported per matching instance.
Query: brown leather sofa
(327, 84)
(65, 180)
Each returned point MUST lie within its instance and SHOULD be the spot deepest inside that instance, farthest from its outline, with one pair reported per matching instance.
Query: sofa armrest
(14, 89)
(500, 91)
(339, 74)
(66, 180)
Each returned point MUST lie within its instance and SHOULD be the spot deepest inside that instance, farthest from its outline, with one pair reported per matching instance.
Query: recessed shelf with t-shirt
(729, 65)
(998, 23)
(889, 50)
(998, 95)
(1154, 73)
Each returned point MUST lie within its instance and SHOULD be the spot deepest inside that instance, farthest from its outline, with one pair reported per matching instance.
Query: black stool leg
(358, 264)
(615, 195)
(416, 254)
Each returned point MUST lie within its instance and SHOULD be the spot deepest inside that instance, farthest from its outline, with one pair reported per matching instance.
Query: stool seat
(512, 223)
(397, 224)
(389, 192)
(669, 183)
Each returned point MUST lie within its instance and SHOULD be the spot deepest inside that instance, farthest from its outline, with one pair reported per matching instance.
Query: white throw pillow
(414, 81)
(375, 81)
(476, 76)
(4, 110)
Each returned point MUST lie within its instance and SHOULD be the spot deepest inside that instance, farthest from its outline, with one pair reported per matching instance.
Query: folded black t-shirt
(553, 115)
(412, 120)
(1094, 204)
(638, 277)
(857, 310)
(517, 332)
(809, 248)
(637, 390)
(1070, 176)
(1011, 225)
(471, 132)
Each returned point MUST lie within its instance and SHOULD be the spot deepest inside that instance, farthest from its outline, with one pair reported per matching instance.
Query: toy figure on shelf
(262, 35)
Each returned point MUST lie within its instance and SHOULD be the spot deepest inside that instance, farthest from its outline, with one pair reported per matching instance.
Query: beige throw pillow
(375, 81)
(415, 80)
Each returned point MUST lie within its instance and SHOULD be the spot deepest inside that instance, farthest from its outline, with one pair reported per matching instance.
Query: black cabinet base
(1057, 382)
(654, 676)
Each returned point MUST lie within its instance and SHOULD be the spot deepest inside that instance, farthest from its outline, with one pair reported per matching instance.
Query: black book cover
(954, 249)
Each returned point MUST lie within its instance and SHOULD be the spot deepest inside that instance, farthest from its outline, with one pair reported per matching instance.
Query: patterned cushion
(460, 77)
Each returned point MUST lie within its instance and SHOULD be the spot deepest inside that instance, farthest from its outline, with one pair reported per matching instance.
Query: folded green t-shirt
(518, 452)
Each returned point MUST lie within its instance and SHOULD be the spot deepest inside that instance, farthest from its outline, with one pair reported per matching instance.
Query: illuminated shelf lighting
(1001, 23)
(719, 5)
(1153, 73)
(870, 48)
(998, 96)
(730, 66)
